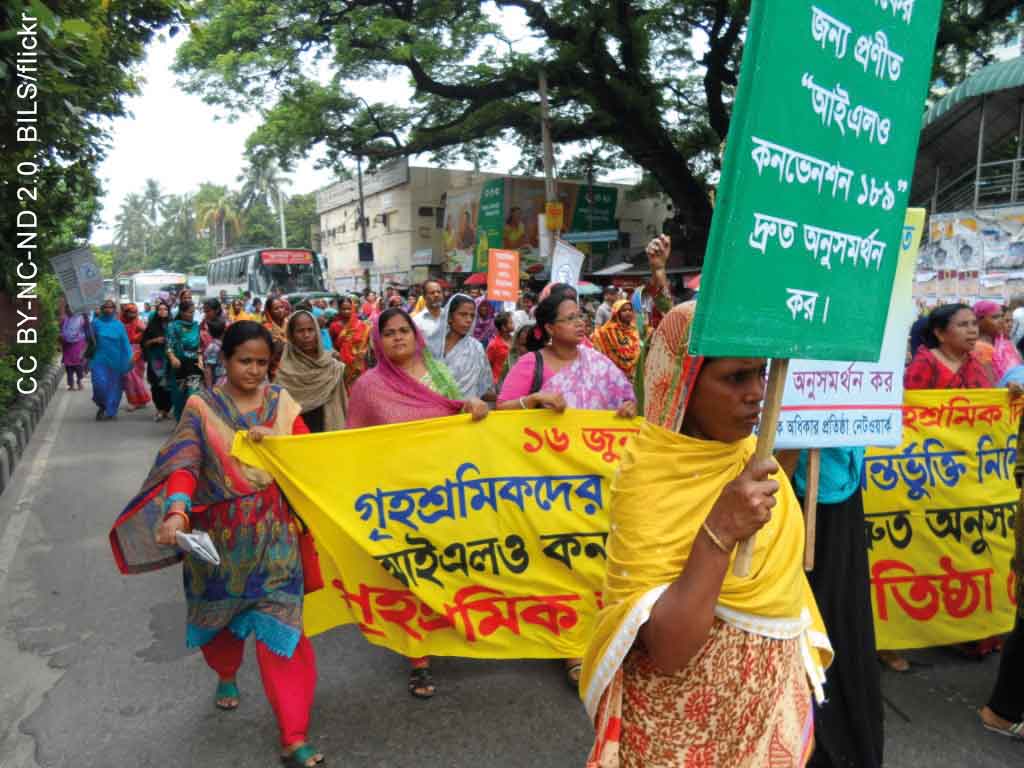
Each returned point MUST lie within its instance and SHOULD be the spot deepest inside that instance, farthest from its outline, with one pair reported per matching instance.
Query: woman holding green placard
(689, 664)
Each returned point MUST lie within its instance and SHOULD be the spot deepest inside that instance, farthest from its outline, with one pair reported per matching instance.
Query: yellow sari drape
(665, 488)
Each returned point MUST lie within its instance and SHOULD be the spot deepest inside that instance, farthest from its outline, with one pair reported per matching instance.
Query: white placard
(835, 404)
(566, 264)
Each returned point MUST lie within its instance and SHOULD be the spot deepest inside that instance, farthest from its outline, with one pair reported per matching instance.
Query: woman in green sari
(185, 376)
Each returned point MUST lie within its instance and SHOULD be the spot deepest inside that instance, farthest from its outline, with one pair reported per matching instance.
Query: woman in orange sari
(618, 339)
(351, 338)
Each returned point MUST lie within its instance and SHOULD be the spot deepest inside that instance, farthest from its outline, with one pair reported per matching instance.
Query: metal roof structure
(959, 135)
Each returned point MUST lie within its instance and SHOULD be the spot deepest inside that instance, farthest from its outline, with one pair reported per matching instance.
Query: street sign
(806, 231)
(502, 275)
(366, 253)
(555, 213)
(598, 236)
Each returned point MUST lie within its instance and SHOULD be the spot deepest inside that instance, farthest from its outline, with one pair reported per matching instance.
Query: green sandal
(226, 690)
(300, 757)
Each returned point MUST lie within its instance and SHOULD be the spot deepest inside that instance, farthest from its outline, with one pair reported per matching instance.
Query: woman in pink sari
(407, 384)
(993, 346)
(571, 375)
(135, 380)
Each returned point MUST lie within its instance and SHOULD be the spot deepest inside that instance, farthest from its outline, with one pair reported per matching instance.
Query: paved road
(94, 671)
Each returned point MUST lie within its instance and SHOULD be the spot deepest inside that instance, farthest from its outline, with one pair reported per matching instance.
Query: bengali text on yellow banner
(939, 513)
(448, 537)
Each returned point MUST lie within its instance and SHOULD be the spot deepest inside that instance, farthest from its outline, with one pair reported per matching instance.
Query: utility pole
(362, 217)
(550, 192)
(280, 213)
(590, 205)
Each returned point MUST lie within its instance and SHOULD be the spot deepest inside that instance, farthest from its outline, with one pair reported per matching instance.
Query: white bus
(139, 287)
(259, 270)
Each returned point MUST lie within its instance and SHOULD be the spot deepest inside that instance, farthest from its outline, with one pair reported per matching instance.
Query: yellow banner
(939, 515)
(448, 537)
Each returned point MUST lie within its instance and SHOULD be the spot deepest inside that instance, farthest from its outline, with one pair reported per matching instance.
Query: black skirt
(848, 728)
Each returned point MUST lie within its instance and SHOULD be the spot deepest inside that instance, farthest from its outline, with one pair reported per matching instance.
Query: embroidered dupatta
(201, 444)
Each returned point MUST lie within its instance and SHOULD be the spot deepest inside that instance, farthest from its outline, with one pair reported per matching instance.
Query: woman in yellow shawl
(690, 665)
(618, 339)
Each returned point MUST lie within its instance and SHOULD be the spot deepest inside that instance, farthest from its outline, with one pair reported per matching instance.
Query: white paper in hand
(199, 544)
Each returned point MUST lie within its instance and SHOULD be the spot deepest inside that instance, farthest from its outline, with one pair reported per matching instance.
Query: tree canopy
(184, 231)
(87, 51)
(644, 82)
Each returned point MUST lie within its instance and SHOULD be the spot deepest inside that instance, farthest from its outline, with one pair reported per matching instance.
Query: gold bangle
(714, 539)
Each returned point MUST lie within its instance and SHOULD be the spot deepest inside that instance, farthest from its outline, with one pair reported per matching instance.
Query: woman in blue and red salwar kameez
(258, 586)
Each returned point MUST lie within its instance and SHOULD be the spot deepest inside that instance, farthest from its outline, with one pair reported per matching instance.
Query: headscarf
(133, 325)
(620, 343)
(183, 338)
(113, 350)
(388, 395)
(671, 371)
(467, 360)
(666, 486)
(313, 380)
(484, 328)
(278, 332)
(986, 308)
(157, 326)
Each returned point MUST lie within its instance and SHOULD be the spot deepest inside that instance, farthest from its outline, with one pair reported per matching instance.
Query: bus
(260, 270)
(139, 287)
(197, 284)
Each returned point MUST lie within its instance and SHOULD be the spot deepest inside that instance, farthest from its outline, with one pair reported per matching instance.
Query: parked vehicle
(139, 287)
(197, 284)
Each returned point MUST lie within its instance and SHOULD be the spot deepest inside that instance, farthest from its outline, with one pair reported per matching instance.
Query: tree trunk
(657, 154)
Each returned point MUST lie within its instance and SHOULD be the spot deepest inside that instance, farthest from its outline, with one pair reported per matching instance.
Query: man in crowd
(524, 315)
(604, 312)
(430, 318)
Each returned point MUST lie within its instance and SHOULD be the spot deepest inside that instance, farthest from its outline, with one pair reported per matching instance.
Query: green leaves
(625, 76)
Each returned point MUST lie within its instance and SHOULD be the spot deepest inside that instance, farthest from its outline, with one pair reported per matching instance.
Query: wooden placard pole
(765, 446)
(811, 506)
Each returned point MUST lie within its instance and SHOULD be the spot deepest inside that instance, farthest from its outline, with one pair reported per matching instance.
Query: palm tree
(262, 180)
(131, 226)
(153, 197)
(219, 214)
(179, 228)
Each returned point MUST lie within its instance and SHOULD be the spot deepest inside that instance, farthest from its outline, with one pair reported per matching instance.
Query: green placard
(490, 221)
(805, 237)
(595, 211)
